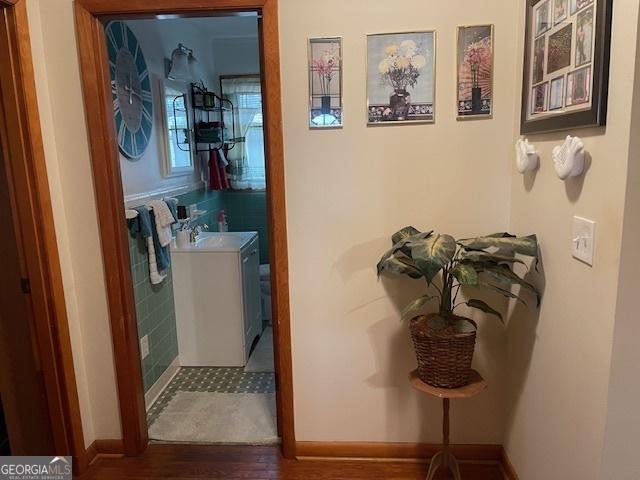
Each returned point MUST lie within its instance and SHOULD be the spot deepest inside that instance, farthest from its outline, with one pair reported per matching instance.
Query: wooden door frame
(110, 201)
(27, 176)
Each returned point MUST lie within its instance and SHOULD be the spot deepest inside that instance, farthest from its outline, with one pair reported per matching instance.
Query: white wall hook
(568, 158)
(526, 156)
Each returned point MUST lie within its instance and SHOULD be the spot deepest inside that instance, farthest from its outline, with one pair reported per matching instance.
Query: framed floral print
(566, 64)
(401, 78)
(325, 82)
(475, 72)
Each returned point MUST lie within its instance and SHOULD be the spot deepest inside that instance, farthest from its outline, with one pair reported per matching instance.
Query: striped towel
(164, 219)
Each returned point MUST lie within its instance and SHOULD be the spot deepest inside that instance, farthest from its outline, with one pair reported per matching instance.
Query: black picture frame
(596, 116)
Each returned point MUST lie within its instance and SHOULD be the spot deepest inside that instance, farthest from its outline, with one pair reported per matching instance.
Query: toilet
(265, 292)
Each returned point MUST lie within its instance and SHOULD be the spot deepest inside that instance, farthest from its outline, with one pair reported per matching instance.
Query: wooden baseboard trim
(507, 467)
(104, 448)
(395, 451)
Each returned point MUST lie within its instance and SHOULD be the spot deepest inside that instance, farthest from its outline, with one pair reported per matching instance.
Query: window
(178, 157)
(247, 156)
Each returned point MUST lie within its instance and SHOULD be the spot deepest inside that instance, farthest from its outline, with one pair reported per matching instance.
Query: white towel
(164, 219)
(155, 276)
(203, 158)
(222, 158)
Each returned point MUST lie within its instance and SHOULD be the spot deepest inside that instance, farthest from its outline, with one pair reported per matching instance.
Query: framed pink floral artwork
(325, 82)
(475, 72)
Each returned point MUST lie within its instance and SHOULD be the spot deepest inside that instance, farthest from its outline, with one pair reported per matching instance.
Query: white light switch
(144, 347)
(583, 239)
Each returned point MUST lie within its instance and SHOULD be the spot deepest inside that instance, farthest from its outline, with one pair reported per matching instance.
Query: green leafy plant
(482, 262)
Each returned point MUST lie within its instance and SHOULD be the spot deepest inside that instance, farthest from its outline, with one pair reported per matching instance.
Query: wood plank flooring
(261, 463)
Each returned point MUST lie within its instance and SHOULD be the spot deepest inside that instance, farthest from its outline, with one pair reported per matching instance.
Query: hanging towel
(172, 203)
(224, 180)
(216, 163)
(162, 252)
(223, 158)
(203, 159)
(163, 219)
(145, 227)
(215, 182)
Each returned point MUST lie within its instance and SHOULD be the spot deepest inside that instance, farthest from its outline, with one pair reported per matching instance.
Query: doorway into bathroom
(188, 112)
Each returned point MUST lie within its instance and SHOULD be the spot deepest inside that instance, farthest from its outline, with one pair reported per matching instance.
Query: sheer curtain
(247, 156)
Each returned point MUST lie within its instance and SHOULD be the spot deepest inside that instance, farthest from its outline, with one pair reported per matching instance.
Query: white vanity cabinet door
(251, 294)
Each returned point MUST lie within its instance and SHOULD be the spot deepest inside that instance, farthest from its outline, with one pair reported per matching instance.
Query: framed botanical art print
(401, 77)
(566, 67)
(475, 72)
(325, 82)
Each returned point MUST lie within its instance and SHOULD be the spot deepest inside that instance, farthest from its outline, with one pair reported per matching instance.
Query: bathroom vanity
(216, 284)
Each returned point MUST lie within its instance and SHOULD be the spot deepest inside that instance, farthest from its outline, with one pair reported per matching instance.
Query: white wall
(559, 360)
(235, 56)
(620, 460)
(70, 180)
(348, 190)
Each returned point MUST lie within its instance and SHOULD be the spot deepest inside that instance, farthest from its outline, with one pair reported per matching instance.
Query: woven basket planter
(444, 359)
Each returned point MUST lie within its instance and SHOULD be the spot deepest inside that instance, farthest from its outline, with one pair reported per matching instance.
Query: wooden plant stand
(444, 458)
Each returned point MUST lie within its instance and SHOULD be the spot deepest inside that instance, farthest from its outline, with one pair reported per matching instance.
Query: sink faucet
(196, 230)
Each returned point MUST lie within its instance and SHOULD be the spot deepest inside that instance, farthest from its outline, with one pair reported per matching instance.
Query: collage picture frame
(566, 64)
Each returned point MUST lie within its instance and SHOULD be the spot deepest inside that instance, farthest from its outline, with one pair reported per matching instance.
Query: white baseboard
(157, 388)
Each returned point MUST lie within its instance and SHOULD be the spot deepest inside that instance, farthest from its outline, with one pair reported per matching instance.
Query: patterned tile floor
(212, 379)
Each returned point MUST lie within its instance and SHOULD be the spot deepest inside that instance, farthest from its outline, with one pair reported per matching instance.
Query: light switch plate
(583, 239)
(144, 346)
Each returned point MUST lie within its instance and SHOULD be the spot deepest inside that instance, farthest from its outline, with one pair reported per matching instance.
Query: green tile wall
(210, 201)
(155, 313)
(246, 212)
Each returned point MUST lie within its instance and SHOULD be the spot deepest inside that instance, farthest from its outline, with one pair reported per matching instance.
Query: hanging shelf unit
(208, 119)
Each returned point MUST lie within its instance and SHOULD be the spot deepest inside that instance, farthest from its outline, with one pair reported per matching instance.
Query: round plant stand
(444, 458)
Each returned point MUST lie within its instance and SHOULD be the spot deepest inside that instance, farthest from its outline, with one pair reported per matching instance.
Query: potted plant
(445, 341)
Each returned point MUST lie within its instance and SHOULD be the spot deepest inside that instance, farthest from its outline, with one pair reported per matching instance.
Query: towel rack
(130, 213)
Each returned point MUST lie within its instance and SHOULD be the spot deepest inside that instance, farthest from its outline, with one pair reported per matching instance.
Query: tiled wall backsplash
(246, 212)
(155, 312)
(208, 200)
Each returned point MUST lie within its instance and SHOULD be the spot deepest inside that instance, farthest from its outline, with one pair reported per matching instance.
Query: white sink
(217, 242)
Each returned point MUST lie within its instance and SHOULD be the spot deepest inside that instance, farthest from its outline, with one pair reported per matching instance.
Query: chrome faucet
(196, 230)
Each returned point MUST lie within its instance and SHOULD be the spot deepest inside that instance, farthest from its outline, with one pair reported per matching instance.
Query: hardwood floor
(261, 463)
